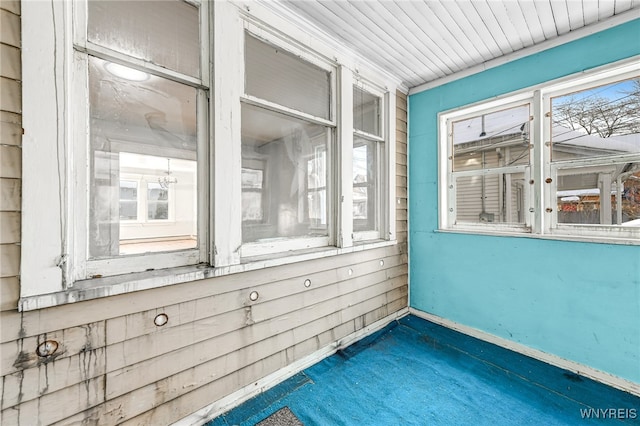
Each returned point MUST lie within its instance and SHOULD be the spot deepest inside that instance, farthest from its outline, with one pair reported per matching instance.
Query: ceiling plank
(483, 9)
(418, 36)
(545, 16)
(606, 9)
(499, 11)
(479, 26)
(560, 16)
(533, 21)
(404, 35)
(576, 14)
(470, 29)
(590, 11)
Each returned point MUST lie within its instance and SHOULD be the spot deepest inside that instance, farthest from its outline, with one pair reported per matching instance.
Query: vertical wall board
(44, 379)
(577, 305)
(10, 195)
(9, 293)
(11, 99)
(9, 27)
(10, 162)
(9, 260)
(20, 354)
(9, 227)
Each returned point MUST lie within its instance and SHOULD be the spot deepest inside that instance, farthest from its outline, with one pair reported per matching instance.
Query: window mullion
(226, 202)
(345, 160)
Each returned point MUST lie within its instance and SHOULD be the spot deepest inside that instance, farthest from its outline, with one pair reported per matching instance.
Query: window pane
(128, 200)
(142, 131)
(498, 139)
(365, 185)
(593, 197)
(492, 198)
(285, 177)
(278, 76)
(603, 120)
(366, 112)
(166, 33)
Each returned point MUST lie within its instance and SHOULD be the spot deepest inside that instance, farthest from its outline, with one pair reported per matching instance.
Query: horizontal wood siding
(10, 154)
(114, 365)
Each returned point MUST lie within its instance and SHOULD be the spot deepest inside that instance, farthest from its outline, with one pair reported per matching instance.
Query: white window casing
(543, 174)
(56, 267)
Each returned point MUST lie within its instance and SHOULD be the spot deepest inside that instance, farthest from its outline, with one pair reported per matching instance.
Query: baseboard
(231, 401)
(575, 367)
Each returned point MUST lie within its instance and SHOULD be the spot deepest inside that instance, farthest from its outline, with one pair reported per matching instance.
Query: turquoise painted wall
(580, 301)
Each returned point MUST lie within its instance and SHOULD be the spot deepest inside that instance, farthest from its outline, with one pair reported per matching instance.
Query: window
(146, 115)
(589, 167)
(287, 141)
(368, 161)
(489, 165)
(595, 157)
(153, 171)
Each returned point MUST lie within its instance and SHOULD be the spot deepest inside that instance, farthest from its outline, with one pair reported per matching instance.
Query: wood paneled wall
(115, 366)
(10, 153)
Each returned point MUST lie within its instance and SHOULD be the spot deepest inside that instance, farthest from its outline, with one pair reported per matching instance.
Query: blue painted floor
(415, 372)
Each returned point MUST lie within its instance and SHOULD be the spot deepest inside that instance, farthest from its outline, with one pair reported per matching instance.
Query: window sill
(556, 236)
(127, 283)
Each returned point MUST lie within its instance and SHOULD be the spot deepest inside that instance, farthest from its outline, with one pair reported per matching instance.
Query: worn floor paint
(418, 373)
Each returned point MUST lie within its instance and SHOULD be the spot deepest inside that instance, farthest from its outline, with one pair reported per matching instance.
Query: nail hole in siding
(350, 271)
(47, 348)
(254, 296)
(382, 263)
(307, 283)
(161, 319)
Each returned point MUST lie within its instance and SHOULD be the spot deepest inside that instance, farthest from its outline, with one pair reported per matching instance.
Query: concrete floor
(415, 372)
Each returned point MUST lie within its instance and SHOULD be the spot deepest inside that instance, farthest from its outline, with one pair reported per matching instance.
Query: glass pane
(593, 197)
(493, 198)
(498, 139)
(166, 33)
(141, 131)
(278, 76)
(365, 185)
(128, 190)
(288, 199)
(603, 120)
(366, 112)
(128, 210)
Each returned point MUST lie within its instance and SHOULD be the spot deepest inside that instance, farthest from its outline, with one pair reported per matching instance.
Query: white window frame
(54, 245)
(542, 174)
(81, 265)
(252, 249)
(382, 183)
(448, 176)
(553, 169)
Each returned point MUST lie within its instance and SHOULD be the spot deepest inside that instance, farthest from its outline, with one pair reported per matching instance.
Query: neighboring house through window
(569, 168)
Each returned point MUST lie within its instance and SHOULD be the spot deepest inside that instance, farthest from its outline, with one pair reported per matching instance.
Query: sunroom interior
(320, 212)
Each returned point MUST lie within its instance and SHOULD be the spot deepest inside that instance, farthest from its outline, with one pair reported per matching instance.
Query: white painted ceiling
(422, 41)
